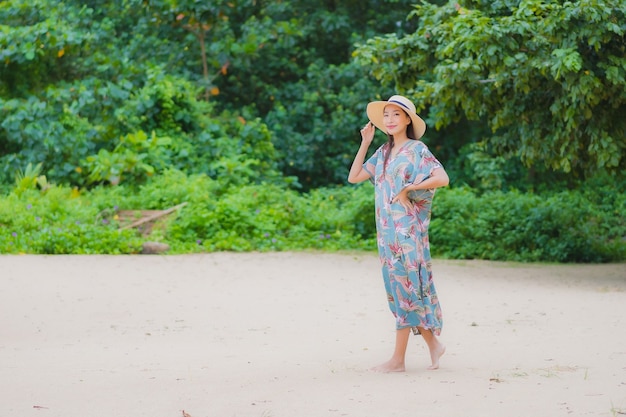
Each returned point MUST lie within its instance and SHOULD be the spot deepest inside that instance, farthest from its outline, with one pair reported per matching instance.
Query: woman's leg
(436, 348)
(396, 363)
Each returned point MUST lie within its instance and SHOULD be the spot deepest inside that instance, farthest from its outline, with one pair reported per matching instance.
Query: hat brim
(375, 111)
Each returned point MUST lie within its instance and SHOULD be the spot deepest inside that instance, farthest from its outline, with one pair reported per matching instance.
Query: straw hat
(375, 111)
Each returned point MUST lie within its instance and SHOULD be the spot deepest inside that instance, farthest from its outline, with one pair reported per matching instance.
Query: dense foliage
(547, 78)
(249, 111)
(571, 226)
(217, 216)
(568, 226)
(78, 76)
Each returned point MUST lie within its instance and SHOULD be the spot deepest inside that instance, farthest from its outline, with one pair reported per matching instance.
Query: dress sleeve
(424, 164)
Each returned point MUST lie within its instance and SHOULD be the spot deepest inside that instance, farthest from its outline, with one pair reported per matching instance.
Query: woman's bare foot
(435, 353)
(390, 366)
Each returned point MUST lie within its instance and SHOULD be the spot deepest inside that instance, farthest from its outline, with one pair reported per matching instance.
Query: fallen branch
(153, 217)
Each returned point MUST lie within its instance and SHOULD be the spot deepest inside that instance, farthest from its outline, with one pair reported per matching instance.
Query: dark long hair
(390, 142)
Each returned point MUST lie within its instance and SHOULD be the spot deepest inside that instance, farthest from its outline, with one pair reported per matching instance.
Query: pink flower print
(428, 159)
(409, 305)
(395, 249)
(421, 226)
(391, 266)
(401, 321)
(400, 260)
(384, 222)
(413, 265)
(412, 215)
(408, 247)
(401, 230)
(420, 205)
(388, 263)
(406, 284)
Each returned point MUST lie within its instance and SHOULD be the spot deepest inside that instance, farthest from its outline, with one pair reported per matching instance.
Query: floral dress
(403, 235)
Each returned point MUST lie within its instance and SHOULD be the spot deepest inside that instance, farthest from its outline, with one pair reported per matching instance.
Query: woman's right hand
(367, 133)
(357, 173)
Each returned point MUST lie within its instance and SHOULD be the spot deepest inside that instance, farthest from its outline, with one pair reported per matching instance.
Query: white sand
(294, 334)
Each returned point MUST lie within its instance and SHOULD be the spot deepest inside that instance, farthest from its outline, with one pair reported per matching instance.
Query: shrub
(59, 221)
(560, 227)
(568, 226)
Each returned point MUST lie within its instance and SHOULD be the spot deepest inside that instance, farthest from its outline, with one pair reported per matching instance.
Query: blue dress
(402, 235)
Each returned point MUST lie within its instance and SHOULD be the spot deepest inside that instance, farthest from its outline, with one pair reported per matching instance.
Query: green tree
(548, 78)
(38, 40)
(81, 78)
(203, 29)
(60, 81)
(299, 78)
(78, 76)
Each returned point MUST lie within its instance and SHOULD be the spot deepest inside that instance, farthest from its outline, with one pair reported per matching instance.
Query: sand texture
(295, 334)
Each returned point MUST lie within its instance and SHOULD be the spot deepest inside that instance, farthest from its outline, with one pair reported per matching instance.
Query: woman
(405, 174)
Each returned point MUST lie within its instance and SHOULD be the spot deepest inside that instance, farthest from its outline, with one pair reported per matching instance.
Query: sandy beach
(294, 334)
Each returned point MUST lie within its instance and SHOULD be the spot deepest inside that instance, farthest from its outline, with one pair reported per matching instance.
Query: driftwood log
(147, 216)
(144, 220)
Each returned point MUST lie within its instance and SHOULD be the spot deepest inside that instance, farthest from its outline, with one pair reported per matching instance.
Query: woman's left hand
(403, 199)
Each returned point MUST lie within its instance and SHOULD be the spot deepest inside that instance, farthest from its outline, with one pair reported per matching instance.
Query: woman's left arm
(438, 178)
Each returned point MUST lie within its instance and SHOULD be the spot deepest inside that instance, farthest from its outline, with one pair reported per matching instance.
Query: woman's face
(395, 119)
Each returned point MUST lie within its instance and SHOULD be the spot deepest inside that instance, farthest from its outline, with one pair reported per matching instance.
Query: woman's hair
(390, 142)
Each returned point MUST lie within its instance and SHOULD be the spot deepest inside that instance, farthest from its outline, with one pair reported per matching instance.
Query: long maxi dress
(402, 235)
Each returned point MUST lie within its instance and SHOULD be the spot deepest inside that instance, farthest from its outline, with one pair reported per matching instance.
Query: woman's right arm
(357, 173)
